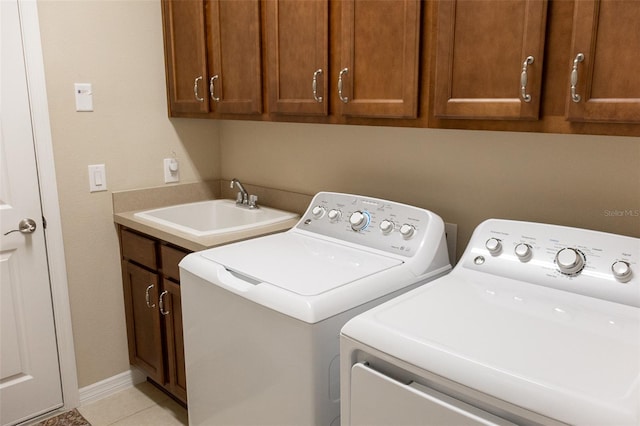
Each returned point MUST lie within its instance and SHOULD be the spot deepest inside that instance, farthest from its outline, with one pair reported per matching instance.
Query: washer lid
(569, 357)
(304, 265)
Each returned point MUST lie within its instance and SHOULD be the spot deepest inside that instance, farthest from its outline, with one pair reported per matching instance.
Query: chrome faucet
(243, 199)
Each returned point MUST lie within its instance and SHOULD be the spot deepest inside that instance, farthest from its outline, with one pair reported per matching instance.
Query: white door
(30, 381)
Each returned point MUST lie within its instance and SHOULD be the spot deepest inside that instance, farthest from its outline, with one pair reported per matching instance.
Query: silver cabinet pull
(574, 77)
(162, 311)
(314, 85)
(148, 298)
(523, 79)
(25, 226)
(196, 83)
(342, 73)
(212, 88)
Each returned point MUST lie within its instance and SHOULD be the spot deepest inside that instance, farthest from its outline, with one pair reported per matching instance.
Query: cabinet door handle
(342, 73)
(196, 84)
(148, 298)
(212, 88)
(161, 302)
(524, 78)
(574, 77)
(314, 85)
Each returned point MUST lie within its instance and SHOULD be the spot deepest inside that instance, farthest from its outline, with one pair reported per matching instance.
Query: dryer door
(377, 399)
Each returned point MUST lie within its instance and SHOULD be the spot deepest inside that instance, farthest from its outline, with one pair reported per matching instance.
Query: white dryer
(262, 317)
(537, 324)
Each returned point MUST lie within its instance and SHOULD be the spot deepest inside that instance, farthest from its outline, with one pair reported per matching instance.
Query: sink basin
(214, 217)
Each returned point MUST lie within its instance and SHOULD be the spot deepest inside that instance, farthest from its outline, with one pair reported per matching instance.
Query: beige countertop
(128, 203)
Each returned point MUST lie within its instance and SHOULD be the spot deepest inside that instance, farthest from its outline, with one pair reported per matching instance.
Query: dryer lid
(301, 264)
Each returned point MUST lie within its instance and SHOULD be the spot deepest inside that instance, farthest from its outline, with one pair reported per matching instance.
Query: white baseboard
(111, 385)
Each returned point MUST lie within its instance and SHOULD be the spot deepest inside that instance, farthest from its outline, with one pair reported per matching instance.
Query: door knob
(26, 226)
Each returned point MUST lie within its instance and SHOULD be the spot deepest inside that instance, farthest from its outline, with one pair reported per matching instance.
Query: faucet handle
(253, 199)
(239, 198)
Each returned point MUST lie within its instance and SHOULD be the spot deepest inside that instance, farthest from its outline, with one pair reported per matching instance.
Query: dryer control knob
(318, 212)
(523, 252)
(386, 226)
(494, 246)
(334, 215)
(407, 231)
(570, 261)
(621, 271)
(359, 220)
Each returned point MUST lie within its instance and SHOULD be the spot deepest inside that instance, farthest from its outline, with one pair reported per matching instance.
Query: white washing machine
(262, 317)
(537, 324)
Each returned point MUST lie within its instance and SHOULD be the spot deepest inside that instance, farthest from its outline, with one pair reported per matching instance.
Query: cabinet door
(185, 56)
(297, 56)
(172, 317)
(378, 72)
(604, 83)
(143, 320)
(482, 65)
(234, 64)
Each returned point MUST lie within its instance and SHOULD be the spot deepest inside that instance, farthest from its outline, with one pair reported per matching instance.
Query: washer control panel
(597, 264)
(380, 224)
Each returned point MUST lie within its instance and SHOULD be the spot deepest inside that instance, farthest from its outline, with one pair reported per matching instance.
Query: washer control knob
(359, 220)
(621, 271)
(494, 246)
(386, 226)
(570, 261)
(318, 212)
(334, 215)
(523, 252)
(407, 231)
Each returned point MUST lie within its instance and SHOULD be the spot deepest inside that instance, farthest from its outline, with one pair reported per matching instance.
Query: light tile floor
(140, 405)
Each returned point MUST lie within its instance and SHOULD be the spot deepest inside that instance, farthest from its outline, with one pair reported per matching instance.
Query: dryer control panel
(591, 263)
(379, 224)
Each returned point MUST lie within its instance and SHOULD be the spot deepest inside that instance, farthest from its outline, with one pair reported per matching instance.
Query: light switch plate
(97, 178)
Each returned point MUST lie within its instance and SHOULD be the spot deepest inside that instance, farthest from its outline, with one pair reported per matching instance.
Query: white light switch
(97, 178)
(84, 96)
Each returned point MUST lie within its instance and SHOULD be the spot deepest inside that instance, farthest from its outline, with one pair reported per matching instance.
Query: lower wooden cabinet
(153, 309)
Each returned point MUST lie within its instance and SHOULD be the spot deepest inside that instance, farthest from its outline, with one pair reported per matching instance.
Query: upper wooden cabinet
(379, 58)
(185, 56)
(489, 58)
(213, 56)
(559, 66)
(235, 70)
(297, 41)
(604, 83)
(375, 65)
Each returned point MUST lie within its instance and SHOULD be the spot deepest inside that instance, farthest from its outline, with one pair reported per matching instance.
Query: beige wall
(463, 176)
(116, 46)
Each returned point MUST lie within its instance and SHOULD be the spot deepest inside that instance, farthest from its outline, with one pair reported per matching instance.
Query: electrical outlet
(451, 232)
(171, 170)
